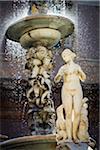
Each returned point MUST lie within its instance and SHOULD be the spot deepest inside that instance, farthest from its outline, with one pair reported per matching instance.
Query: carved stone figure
(35, 71)
(83, 125)
(45, 56)
(39, 63)
(60, 124)
(72, 94)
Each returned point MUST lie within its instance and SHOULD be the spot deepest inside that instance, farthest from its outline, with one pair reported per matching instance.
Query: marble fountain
(38, 34)
(67, 127)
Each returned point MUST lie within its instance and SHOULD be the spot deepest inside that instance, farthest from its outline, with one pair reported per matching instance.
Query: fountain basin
(40, 29)
(43, 36)
(39, 142)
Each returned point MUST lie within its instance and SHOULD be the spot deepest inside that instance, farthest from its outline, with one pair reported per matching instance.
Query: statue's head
(41, 52)
(68, 55)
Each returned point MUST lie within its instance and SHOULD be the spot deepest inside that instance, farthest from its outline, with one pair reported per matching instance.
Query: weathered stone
(47, 142)
(27, 26)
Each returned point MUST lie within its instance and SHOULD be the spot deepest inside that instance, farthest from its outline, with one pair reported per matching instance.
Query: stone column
(41, 108)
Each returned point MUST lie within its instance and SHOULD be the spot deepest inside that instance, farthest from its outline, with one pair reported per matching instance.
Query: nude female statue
(72, 94)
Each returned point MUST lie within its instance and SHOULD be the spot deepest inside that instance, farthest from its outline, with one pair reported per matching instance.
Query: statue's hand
(57, 79)
(82, 77)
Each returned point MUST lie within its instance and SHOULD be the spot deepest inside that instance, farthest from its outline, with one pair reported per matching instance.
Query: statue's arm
(59, 75)
(82, 75)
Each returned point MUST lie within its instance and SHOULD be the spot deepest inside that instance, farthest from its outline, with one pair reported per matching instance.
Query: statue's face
(42, 52)
(68, 55)
(66, 58)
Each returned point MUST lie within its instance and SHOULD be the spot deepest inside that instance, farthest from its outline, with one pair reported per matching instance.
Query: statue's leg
(77, 99)
(67, 103)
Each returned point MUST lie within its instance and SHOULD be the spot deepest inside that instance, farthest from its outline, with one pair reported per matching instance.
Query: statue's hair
(69, 53)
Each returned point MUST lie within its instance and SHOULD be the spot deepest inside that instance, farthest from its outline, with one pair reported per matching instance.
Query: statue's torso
(71, 77)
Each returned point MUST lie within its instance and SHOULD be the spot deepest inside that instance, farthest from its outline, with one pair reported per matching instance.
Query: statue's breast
(70, 70)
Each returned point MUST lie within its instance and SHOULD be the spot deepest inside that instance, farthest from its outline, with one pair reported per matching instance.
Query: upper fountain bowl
(45, 30)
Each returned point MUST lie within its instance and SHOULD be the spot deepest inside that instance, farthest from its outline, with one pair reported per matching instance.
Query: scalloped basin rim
(63, 25)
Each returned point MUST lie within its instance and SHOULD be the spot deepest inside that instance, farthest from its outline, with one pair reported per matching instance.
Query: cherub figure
(39, 61)
(60, 124)
(83, 126)
(45, 56)
(71, 93)
(30, 53)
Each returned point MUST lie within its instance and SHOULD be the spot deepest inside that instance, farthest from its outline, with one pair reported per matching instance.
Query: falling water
(15, 54)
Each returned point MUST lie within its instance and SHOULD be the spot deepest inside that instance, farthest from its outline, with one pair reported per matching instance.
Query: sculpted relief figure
(83, 134)
(60, 124)
(39, 65)
(39, 62)
(45, 56)
(71, 93)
